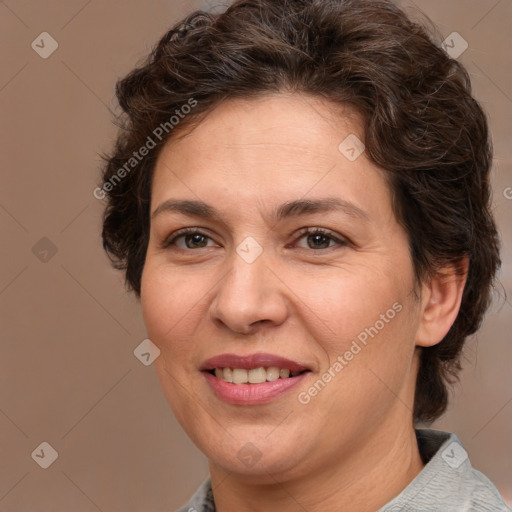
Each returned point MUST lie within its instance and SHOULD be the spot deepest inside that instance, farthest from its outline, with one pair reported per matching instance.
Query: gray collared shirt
(447, 483)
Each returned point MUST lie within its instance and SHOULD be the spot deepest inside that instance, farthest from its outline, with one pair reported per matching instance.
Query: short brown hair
(422, 126)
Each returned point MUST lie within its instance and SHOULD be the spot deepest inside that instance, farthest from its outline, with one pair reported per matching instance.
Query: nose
(248, 296)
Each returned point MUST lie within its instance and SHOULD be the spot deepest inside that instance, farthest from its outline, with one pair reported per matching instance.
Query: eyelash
(305, 231)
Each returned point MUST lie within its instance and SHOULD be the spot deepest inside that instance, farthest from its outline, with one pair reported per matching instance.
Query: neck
(365, 481)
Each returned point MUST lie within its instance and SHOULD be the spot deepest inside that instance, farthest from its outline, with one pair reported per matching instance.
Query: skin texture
(354, 442)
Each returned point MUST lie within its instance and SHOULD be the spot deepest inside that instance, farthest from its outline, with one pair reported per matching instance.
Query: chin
(256, 457)
(265, 470)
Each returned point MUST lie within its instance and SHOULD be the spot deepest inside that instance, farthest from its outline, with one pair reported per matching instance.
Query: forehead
(292, 121)
(273, 149)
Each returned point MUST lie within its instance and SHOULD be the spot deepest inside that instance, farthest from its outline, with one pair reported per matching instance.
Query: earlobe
(441, 297)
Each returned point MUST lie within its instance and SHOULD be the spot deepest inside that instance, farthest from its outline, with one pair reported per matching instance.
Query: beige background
(68, 373)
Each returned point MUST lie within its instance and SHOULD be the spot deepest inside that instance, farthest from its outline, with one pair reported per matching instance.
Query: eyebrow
(289, 209)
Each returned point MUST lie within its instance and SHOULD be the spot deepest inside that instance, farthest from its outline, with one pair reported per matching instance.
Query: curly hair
(421, 126)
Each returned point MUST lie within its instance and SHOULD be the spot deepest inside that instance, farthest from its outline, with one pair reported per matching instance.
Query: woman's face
(248, 285)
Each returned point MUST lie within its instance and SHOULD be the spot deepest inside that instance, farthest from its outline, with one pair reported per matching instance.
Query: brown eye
(319, 238)
(192, 237)
(196, 240)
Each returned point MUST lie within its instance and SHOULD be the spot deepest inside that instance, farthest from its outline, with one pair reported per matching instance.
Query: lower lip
(252, 394)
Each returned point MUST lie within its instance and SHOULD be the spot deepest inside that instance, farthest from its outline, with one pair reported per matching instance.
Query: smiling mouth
(254, 375)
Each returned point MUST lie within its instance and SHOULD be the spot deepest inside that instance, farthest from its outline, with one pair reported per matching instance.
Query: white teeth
(254, 375)
(240, 376)
(228, 374)
(257, 375)
(272, 373)
(284, 373)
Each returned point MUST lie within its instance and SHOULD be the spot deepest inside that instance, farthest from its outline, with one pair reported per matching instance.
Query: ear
(440, 303)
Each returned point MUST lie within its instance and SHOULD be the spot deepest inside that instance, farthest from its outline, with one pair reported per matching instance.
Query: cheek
(167, 310)
(371, 319)
(171, 304)
(162, 304)
(350, 302)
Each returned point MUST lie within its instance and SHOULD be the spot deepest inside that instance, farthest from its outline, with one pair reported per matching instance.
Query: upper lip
(251, 361)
